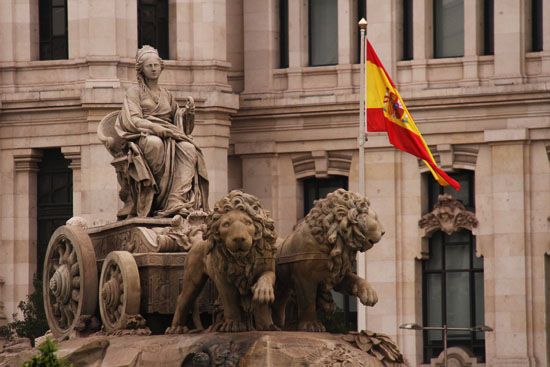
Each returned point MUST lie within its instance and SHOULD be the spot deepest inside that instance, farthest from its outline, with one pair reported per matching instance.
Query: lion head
(240, 223)
(345, 218)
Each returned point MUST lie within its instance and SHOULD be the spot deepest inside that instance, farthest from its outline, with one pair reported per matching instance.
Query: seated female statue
(166, 169)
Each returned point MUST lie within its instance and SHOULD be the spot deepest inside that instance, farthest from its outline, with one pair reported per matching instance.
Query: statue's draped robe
(168, 174)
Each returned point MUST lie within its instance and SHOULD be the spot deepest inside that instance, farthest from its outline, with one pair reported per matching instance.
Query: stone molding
(27, 160)
(73, 154)
(456, 356)
(320, 163)
(449, 156)
(448, 215)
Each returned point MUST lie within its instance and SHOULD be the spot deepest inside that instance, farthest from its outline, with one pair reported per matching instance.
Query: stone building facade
(272, 123)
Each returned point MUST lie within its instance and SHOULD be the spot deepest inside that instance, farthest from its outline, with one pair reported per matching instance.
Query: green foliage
(47, 357)
(5, 332)
(34, 323)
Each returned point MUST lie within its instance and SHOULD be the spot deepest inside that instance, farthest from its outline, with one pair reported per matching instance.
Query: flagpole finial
(362, 23)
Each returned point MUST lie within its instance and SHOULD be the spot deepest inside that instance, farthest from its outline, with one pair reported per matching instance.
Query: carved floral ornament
(448, 215)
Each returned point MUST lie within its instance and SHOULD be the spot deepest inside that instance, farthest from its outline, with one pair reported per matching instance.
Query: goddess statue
(165, 170)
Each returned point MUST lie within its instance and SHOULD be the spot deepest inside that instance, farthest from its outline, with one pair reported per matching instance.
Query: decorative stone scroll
(448, 215)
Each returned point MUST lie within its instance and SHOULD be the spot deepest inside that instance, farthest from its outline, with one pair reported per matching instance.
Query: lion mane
(241, 270)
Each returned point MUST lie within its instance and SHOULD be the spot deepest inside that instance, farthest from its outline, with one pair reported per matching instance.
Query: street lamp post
(445, 329)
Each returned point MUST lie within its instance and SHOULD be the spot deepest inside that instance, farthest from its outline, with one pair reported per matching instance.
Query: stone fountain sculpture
(156, 259)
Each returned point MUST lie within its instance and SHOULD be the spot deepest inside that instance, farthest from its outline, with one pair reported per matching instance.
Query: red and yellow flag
(387, 112)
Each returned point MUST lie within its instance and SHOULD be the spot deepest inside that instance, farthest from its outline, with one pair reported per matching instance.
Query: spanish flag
(387, 112)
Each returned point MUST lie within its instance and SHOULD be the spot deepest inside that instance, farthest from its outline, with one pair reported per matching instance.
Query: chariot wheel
(119, 290)
(70, 280)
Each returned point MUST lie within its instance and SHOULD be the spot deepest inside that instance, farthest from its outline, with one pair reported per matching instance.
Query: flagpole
(361, 259)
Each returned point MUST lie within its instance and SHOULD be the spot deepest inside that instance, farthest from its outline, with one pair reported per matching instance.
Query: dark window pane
(433, 303)
(153, 25)
(448, 28)
(488, 27)
(407, 29)
(536, 17)
(457, 257)
(283, 34)
(477, 262)
(58, 21)
(345, 318)
(458, 299)
(436, 253)
(53, 29)
(323, 32)
(479, 311)
(54, 202)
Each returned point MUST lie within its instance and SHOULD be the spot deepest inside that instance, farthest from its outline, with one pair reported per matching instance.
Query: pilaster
(473, 31)
(297, 42)
(509, 20)
(422, 41)
(25, 219)
(259, 44)
(73, 155)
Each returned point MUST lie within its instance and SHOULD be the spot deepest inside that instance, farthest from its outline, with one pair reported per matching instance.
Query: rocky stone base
(211, 349)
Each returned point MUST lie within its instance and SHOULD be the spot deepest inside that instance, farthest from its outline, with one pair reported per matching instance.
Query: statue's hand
(160, 131)
(263, 291)
(366, 294)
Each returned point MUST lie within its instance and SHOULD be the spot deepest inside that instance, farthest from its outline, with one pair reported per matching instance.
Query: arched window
(452, 279)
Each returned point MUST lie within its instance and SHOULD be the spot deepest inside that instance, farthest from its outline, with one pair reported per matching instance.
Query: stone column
(260, 178)
(212, 136)
(297, 42)
(180, 27)
(209, 29)
(346, 43)
(422, 41)
(383, 33)
(546, 41)
(72, 154)
(509, 273)
(25, 221)
(473, 35)
(509, 41)
(19, 35)
(260, 48)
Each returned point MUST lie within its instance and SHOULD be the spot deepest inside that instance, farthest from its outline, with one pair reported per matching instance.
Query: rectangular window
(153, 25)
(448, 28)
(536, 30)
(407, 29)
(323, 32)
(52, 15)
(283, 34)
(488, 27)
(345, 317)
(452, 280)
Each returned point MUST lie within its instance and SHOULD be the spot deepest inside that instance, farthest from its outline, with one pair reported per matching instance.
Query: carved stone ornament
(448, 215)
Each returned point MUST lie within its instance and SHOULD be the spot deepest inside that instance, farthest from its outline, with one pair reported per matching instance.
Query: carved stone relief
(448, 215)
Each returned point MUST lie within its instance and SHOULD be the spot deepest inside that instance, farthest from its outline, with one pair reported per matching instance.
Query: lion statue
(238, 255)
(319, 256)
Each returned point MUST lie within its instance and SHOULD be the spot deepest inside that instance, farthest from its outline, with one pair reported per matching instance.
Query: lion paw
(230, 326)
(366, 294)
(177, 330)
(263, 292)
(311, 326)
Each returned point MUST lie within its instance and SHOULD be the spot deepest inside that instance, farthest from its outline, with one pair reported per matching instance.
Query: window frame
(476, 340)
(309, 38)
(436, 54)
(160, 24)
(318, 183)
(47, 7)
